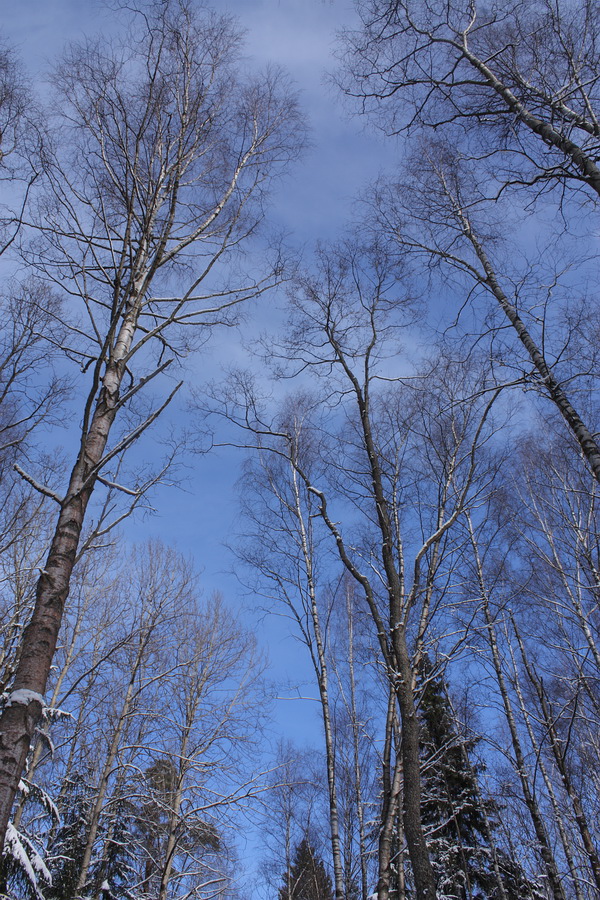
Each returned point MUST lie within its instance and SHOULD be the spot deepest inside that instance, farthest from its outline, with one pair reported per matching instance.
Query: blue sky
(296, 34)
(313, 203)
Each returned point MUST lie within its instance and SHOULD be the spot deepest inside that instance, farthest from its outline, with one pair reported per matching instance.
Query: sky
(313, 204)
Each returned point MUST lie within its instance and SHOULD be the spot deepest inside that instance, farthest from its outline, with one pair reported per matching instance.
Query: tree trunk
(583, 435)
(390, 807)
(547, 854)
(358, 799)
(558, 752)
(320, 665)
(24, 707)
(108, 766)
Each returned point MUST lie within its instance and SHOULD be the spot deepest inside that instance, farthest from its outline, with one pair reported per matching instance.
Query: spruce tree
(459, 822)
(307, 878)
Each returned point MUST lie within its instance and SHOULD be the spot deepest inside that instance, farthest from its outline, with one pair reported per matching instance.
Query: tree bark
(24, 708)
(358, 798)
(390, 808)
(583, 435)
(321, 670)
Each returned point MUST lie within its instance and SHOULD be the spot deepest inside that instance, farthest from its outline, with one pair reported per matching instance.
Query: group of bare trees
(422, 504)
(144, 753)
(419, 536)
(455, 491)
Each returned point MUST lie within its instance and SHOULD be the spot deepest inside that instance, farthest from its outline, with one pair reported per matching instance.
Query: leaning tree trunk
(26, 700)
(553, 387)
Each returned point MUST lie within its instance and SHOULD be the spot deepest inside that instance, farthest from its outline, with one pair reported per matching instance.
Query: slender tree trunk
(321, 669)
(356, 749)
(390, 808)
(585, 438)
(547, 854)
(24, 707)
(558, 752)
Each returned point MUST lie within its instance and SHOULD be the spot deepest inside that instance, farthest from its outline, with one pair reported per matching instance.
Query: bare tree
(436, 215)
(163, 153)
(505, 98)
(151, 762)
(521, 766)
(356, 730)
(344, 326)
(517, 84)
(283, 549)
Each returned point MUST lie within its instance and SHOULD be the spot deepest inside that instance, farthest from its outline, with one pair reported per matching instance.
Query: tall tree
(164, 150)
(379, 447)
(507, 99)
(518, 80)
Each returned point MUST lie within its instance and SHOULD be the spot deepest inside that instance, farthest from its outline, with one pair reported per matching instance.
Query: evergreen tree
(307, 878)
(65, 846)
(460, 823)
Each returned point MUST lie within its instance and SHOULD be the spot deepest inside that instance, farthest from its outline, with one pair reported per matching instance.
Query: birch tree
(283, 551)
(152, 761)
(344, 326)
(162, 152)
(505, 98)
(436, 215)
(515, 84)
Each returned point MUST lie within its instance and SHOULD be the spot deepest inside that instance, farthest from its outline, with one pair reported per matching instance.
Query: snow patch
(23, 697)
(27, 858)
